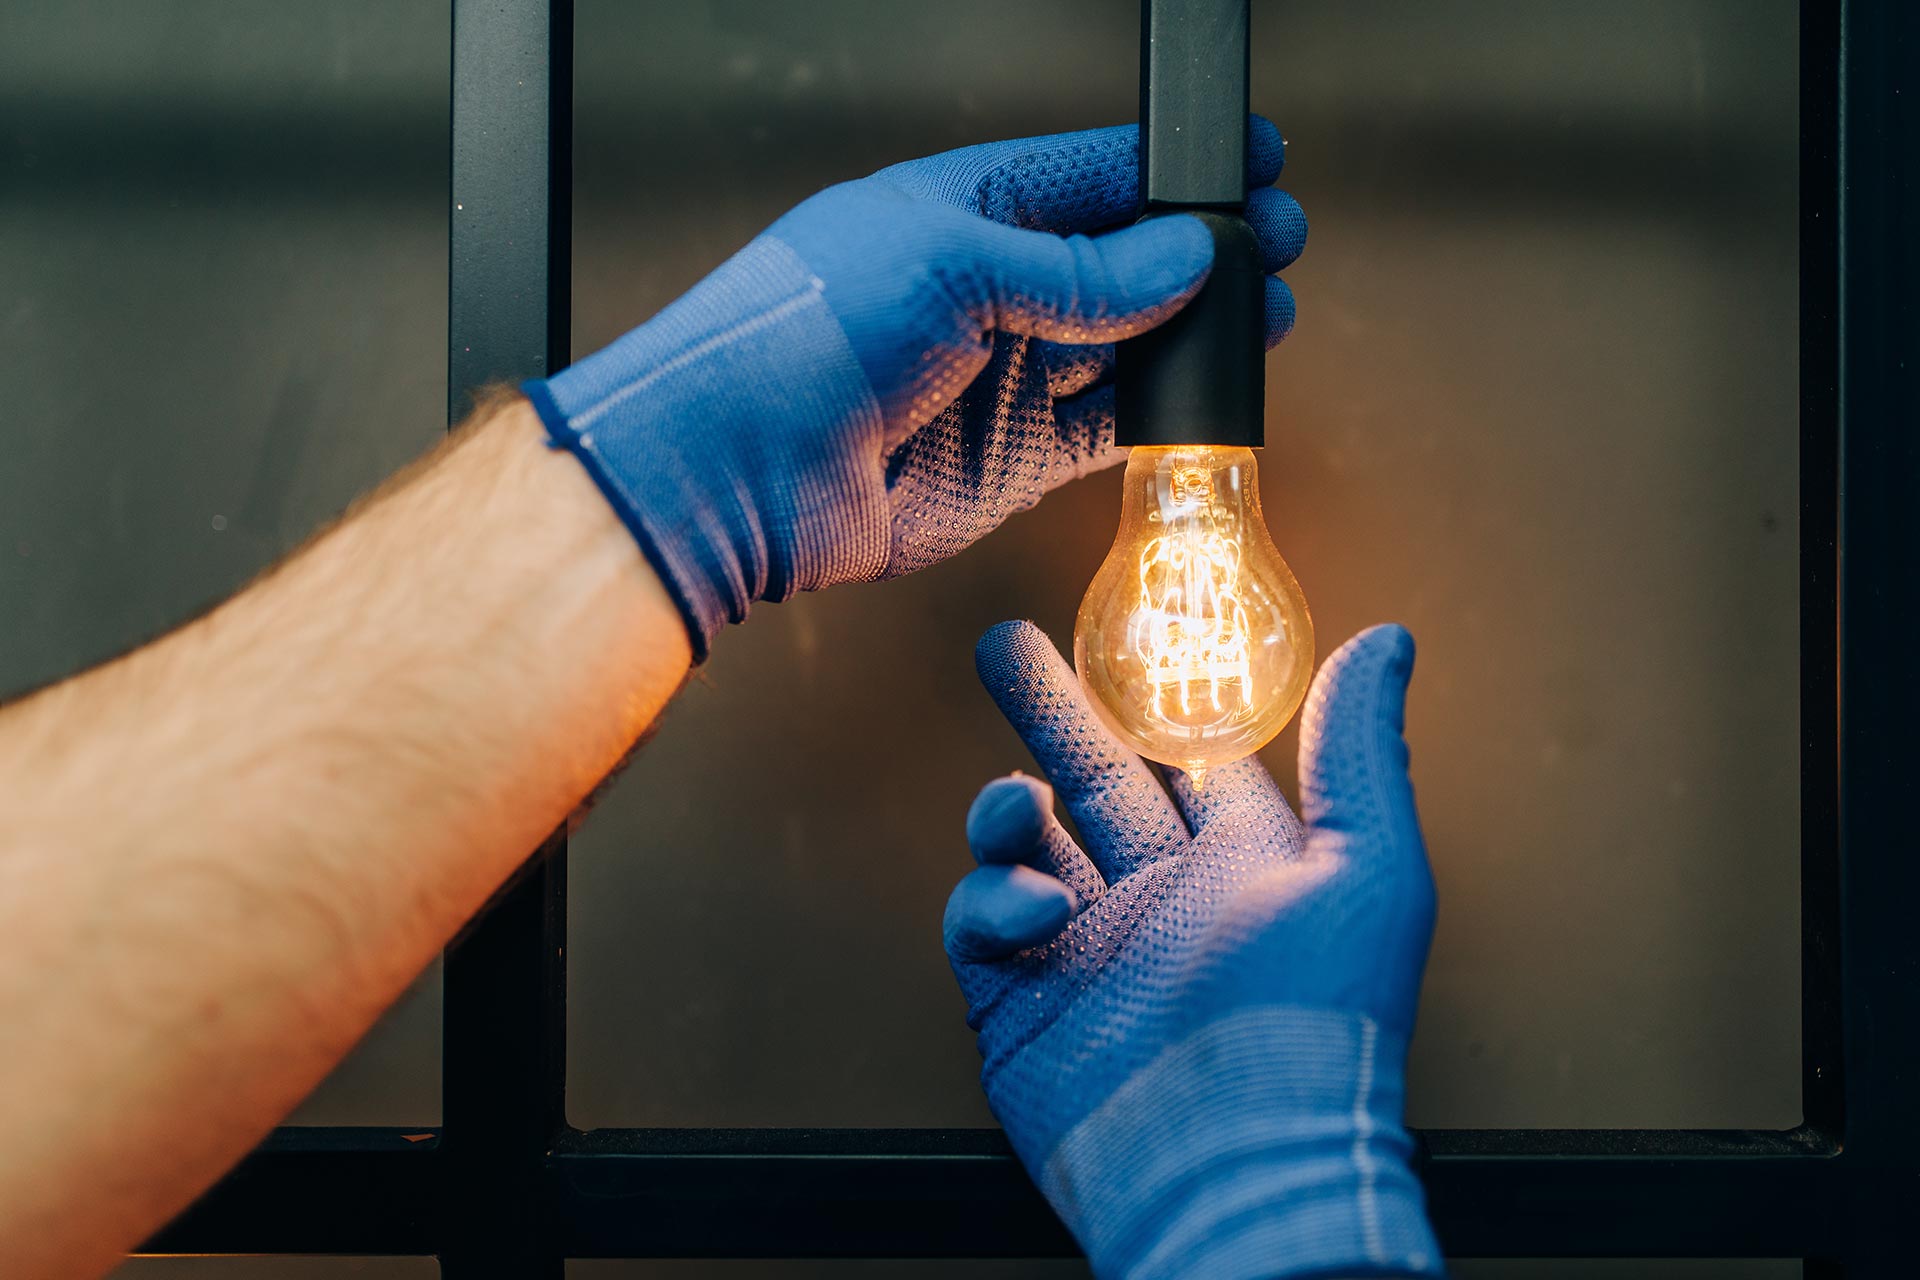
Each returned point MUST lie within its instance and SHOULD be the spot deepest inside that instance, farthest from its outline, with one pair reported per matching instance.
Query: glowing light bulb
(1193, 642)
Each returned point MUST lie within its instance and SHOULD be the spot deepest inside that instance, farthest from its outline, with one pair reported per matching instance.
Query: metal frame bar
(506, 1186)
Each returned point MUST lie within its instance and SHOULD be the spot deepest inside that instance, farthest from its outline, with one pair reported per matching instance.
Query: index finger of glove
(1066, 183)
(1126, 820)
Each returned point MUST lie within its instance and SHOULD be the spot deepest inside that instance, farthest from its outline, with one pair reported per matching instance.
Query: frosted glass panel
(1541, 407)
(222, 317)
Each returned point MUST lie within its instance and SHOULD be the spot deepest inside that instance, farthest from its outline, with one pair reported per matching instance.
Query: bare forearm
(223, 855)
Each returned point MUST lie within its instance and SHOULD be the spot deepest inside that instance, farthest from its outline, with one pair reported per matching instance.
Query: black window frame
(506, 1186)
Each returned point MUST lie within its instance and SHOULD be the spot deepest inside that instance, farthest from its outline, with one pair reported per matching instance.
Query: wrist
(736, 437)
(1275, 1217)
(1268, 1143)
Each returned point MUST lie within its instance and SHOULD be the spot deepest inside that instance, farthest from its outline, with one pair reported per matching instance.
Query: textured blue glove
(892, 368)
(1195, 1030)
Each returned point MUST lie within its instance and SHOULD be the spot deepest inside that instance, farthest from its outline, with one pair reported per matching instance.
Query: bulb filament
(1196, 643)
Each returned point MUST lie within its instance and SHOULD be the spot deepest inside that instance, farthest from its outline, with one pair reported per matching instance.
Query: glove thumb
(1353, 760)
(1081, 290)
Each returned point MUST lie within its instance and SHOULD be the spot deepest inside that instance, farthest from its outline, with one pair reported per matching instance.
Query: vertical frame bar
(510, 240)
(1821, 1097)
(509, 311)
(1879, 577)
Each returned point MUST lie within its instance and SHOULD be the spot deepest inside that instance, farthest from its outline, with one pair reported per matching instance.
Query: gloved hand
(1195, 1029)
(892, 368)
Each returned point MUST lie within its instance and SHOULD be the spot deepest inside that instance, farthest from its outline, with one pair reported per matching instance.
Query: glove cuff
(1266, 1144)
(710, 430)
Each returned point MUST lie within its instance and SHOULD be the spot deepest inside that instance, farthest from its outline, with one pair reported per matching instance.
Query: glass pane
(223, 248)
(1541, 407)
(279, 1267)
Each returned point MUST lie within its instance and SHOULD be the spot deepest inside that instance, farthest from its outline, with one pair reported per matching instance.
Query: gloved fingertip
(1008, 819)
(1085, 289)
(1154, 262)
(1280, 225)
(1266, 151)
(997, 911)
(1353, 724)
(1281, 311)
(1372, 669)
(1003, 643)
(1394, 645)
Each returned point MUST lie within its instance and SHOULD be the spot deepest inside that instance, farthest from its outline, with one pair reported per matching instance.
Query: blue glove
(1195, 1029)
(892, 368)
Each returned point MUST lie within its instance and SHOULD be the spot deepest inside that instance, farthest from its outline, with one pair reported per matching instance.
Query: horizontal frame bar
(609, 1193)
(321, 1190)
(962, 1193)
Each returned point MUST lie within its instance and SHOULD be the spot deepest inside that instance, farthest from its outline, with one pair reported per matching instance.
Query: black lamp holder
(1201, 377)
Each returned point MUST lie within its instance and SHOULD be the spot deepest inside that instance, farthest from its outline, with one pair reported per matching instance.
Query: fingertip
(999, 910)
(1399, 637)
(1280, 225)
(1266, 151)
(1005, 643)
(1086, 289)
(1379, 659)
(1397, 644)
(1392, 647)
(1159, 260)
(1281, 311)
(1008, 819)
(1359, 695)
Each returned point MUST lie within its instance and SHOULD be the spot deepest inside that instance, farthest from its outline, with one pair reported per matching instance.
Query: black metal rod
(863, 1193)
(1194, 69)
(509, 313)
(1879, 580)
(320, 1190)
(1821, 1060)
(1201, 377)
(962, 1193)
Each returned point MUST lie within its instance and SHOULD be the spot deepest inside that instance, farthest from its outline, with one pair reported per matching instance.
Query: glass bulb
(1193, 642)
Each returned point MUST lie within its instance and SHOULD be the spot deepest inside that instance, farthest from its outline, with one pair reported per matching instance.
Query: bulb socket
(1201, 378)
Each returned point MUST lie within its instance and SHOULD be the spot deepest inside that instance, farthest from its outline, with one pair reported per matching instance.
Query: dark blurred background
(1541, 407)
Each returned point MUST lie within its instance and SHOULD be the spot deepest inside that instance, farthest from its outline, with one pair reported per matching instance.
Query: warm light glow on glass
(1193, 642)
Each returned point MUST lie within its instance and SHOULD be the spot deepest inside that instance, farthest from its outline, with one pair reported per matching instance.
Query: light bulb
(1193, 643)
